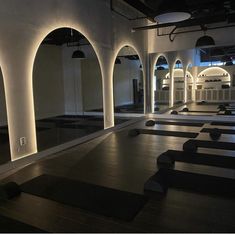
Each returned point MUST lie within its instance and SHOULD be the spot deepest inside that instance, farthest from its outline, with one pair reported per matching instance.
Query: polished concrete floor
(125, 163)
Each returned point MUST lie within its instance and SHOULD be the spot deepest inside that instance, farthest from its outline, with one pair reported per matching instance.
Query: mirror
(128, 83)
(161, 82)
(67, 85)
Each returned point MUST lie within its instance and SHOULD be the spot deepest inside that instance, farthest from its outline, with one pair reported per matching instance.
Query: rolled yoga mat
(162, 133)
(187, 124)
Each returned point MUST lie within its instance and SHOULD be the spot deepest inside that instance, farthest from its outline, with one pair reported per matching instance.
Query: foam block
(174, 112)
(9, 190)
(165, 160)
(150, 123)
(190, 146)
(185, 109)
(215, 134)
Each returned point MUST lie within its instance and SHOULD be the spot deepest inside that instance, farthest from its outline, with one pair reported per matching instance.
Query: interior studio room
(117, 116)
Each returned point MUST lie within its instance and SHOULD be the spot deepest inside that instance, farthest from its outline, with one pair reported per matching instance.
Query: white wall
(48, 83)
(187, 41)
(23, 26)
(91, 84)
(72, 82)
(124, 73)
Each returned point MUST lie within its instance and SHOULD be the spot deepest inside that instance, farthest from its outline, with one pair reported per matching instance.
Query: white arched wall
(152, 70)
(96, 54)
(186, 83)
(117, 50)
(32, 21)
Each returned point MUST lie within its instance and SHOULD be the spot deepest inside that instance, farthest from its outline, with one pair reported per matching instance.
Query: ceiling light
(172, 17)
(78, 54)
(205, 41)
(172, 11)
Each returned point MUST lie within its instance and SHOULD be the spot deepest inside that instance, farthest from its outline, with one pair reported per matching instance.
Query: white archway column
(19, 101)
(194, 74)
(152, 73)
(148, 84)
(185, 85)
(106, 64)
(171, 89)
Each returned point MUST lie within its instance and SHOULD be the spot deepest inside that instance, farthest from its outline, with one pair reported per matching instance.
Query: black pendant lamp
(78, 54)
(205, 41)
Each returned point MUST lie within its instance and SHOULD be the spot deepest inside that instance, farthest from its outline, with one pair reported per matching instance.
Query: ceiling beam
(141, 7)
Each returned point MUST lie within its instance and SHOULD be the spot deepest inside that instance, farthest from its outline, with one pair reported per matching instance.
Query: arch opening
(128, 83)
(161, 84)
(179, 82)
(67, 87)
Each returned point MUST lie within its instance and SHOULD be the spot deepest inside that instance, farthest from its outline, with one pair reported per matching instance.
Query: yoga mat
(212, 144)
(223, 124)
(222, 131)
(189, 124)
(9, 225)
(168, 133)
(94, 198)
(198, 158)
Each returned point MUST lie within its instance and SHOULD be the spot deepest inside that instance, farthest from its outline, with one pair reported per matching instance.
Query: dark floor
(203, 109)
(57, 130)
(126, 163)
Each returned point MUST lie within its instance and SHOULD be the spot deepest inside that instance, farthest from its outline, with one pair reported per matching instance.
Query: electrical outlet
(23, 141)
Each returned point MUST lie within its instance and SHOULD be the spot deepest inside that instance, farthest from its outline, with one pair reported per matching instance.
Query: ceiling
(202, 11)
(62, 36)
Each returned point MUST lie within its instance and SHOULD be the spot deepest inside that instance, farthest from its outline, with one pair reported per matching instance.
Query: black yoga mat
(187, 124)
(94, 198)
(222, 131)
(223, 123)
(198, 158)
(9, 225)
(168, 133)
(199, 111)
(211, 144)
(196, 182)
